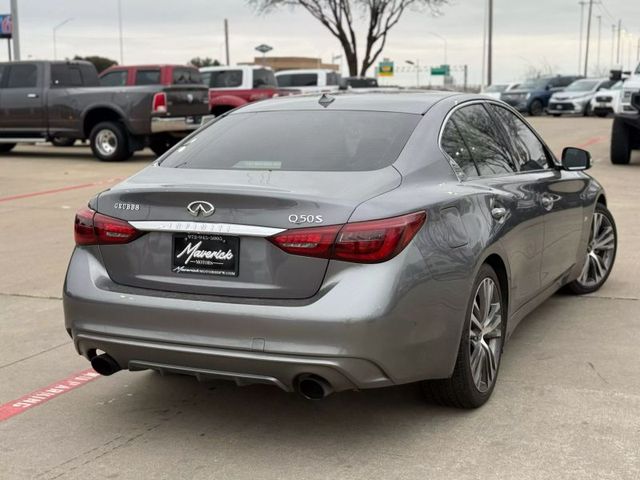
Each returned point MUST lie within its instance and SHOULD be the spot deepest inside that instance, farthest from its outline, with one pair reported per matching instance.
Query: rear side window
(63, 75)
(530, 152)
(298, 80)
(148, 77)
(23, 76)
(186, 76)
(333, 78)
(455, 147)
(223, 78)
(117, 78)
(488, 148)
(298, 141)
(263, 78)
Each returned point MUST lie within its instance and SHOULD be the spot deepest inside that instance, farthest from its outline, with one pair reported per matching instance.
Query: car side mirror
(575, 159)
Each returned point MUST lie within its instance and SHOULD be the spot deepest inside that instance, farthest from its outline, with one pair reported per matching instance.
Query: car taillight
(92, 228)
(372, 241)
(159, 103)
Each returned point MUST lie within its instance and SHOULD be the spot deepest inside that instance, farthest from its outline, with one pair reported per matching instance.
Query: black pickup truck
(41, 101)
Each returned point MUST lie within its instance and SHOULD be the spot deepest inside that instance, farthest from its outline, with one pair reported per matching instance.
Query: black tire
(577, 286)
(116, 138)
(556, 114)
(6, 147)
(620, 150)
(63, 142)
(159, 144)
(460, 390)
(536, 108)
(587, 110)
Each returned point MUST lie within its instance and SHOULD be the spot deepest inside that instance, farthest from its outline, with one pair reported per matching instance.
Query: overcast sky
(528, 33)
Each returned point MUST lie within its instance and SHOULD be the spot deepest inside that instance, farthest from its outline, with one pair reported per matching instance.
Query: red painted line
(42, 395)
(58, 190)
(592, 141)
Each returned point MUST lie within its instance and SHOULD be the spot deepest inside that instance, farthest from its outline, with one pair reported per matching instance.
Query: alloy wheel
(106, 142)
(485, 332)
(600, 251)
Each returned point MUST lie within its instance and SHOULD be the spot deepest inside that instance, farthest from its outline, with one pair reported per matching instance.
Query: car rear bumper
(178, 124)
(357, 332)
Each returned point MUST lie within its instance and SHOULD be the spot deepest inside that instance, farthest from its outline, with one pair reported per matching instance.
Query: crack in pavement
(34, 355)
(29, 295)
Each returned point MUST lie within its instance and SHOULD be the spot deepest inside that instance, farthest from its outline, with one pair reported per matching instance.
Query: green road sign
(441, 70)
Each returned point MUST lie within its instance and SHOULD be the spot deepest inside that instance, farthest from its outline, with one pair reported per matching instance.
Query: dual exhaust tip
(309, 386)
(105, 364)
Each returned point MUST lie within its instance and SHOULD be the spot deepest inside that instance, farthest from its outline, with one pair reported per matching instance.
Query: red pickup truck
(182, 83)
(234, 86)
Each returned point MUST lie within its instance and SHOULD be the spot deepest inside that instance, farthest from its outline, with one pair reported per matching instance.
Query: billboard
(385, 68)
(6, 28)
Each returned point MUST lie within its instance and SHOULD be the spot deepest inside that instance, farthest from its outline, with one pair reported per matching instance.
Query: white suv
(309, 81)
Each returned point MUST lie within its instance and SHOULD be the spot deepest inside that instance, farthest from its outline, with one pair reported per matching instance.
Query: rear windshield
(222, 78)
(298, 80)
(298, 141)
(186, 76)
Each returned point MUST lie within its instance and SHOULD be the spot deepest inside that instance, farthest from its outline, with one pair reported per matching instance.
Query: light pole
(15, 29)
(55, 30)
(417, 65)
(586, 50)
(445, 44)
(120, 32)
(582, 3)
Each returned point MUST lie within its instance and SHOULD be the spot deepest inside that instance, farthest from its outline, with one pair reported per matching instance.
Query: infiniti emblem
(200, 208)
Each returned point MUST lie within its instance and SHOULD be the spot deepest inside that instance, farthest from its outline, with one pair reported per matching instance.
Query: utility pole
(586, 50)
(490, 44)
(120, 29)
(484, 51)
(599, 17)
(15, 29)
(619, 32)
(582, 3)
(613, 44)
(466, 74)
(226, 39)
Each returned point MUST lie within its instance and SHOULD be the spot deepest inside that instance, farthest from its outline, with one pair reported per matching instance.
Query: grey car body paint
(356, 325)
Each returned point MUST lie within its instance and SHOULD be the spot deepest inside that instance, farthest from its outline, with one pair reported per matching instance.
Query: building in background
(291, 63)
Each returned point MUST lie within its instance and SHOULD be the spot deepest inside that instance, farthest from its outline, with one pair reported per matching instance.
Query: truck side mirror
(575, 159)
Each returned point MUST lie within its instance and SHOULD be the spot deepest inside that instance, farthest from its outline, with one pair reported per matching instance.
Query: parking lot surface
(567, 403)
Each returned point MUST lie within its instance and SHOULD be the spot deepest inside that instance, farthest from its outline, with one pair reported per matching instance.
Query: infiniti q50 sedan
(342, 242)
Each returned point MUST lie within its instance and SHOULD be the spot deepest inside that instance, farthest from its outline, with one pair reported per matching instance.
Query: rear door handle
(32, 95)
(498, 213)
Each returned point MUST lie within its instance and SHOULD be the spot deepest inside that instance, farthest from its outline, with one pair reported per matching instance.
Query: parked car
(231, 87)
(364, 85)
(334, 243)
(309, 81)
(41, 100)
(497, 89)
(576, 98)
(137, 75)
(532, 96)
(625, 131)
(607, 100)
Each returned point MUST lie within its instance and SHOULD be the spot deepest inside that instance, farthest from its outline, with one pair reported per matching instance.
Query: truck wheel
(620, 143)
(6, 147)
(63, 142)
(536, 108)
(110, 142)
(159, 144)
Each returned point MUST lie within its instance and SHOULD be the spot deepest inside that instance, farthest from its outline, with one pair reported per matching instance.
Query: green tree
(203, 62)
(338, 16)
(101, 63)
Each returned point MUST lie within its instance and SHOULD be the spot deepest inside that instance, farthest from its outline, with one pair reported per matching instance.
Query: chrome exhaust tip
(105, 364)
(313, 387)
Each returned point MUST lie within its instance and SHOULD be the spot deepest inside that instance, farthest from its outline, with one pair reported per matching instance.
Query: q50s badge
(299, 219)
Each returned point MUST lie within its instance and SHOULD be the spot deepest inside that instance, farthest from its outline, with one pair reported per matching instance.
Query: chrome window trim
(202, 227)
(456, 168)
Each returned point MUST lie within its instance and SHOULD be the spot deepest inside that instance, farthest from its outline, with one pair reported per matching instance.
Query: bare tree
(338, 17)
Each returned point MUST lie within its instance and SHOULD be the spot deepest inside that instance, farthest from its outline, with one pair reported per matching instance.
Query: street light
(55, 29)
(417, 65)
(445, 44)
